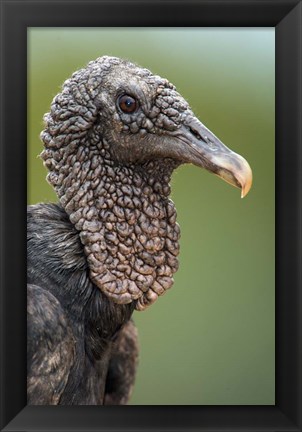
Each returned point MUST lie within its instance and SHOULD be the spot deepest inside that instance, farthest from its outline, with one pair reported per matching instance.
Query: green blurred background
(210, 339)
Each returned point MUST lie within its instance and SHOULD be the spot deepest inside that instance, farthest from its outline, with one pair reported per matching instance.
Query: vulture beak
(202, 148)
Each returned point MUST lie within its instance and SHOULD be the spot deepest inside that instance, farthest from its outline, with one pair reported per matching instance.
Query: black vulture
(112, 139)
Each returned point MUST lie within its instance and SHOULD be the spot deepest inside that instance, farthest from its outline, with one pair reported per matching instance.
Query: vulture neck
(126, 222)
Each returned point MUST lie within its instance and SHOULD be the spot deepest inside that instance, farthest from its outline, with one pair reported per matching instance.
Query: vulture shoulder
(82, 349)
(50, 347)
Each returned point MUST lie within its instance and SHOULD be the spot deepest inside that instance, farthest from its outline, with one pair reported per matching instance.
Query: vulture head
(112, 139)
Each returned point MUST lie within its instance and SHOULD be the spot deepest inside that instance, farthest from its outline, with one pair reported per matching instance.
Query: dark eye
(127, 104)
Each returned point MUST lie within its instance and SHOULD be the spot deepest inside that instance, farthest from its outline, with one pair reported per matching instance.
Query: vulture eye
(127, 104)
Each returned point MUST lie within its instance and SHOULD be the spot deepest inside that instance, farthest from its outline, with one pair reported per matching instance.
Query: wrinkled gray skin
(102, 165)
(110, 246)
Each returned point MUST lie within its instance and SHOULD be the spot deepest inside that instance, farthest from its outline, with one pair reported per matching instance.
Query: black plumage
(112, 139)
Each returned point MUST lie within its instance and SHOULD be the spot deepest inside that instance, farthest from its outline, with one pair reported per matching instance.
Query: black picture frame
(16, 17)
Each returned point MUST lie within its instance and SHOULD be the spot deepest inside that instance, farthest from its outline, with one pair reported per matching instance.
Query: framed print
(192, 350)
(222, 349)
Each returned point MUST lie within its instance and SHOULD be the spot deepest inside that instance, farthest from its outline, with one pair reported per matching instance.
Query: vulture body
(112, 139)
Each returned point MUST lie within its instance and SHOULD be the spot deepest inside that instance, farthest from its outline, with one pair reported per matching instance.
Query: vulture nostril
(195, 134)
(204, 138)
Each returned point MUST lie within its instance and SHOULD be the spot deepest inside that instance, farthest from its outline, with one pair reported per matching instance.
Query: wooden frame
(286, 17)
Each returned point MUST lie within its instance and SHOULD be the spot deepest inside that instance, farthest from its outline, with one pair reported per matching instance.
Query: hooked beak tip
(236, 171)
(245, 189)
(245, 178)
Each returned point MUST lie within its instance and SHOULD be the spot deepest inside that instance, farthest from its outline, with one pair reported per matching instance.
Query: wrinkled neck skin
(126, 222)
